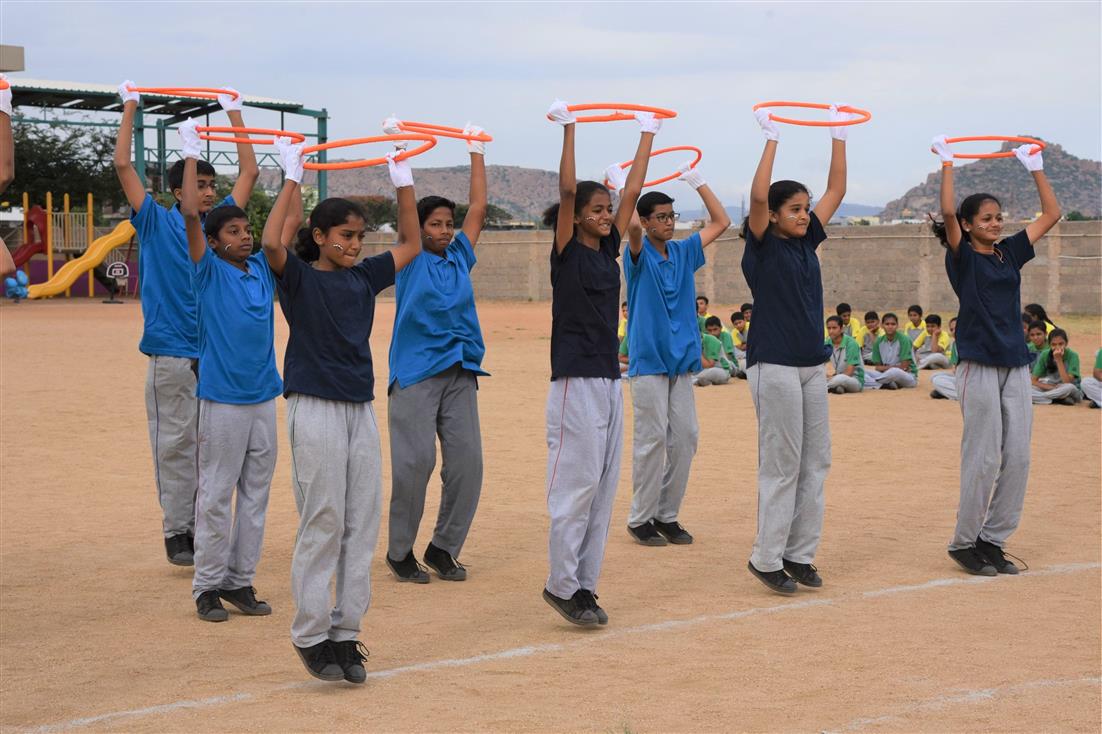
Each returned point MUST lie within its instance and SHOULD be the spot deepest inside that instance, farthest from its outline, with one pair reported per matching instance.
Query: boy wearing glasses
(664, 344)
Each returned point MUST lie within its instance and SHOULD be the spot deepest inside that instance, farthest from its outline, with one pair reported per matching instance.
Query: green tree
(378, 210)
(496, 217)
(1077, 216)
(64, 160)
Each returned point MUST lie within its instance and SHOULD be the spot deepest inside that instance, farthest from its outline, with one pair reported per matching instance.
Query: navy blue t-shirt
(989, 287)
(330, 314)
(787, 285)
(585, 306)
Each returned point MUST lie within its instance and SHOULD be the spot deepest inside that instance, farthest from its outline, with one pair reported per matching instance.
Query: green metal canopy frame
(169, 111)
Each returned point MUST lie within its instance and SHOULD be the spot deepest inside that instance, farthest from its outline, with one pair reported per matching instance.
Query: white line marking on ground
(529, 650)
(966, 697)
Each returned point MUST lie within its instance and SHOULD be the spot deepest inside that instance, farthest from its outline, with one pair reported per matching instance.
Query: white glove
(474, 146)
(400, 172)
(839, 132)
(1032, 162)
(690, 175)
(768, 126)
(558, 113)
(5, 98)
(126, 94)
(390, 127)
(291, 158)
(189, 136)
(649, 122)
(616, 176)
(229, 102)
(940, 146)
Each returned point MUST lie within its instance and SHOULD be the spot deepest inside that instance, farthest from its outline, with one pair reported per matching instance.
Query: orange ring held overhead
(660, 151)
(427, 144)
(443, 131)
(200, 92)
(205, 129)
(617, 114)
(865, 115)
(4, 84)
(1038, 145)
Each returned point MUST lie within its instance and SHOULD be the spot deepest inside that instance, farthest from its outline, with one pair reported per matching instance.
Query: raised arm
(286, 215)
(635, 235)
(568, 181)
(476, 210)
(617, 178)
(948, 197)
(637, 174)
(409, 228)
(7, 146)
(717, 215)
(836, 179)
(247, 170)
(132, 185)
(1050, 207)
(189, 194)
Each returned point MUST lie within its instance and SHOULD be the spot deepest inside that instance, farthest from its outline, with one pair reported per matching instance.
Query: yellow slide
(93, 256)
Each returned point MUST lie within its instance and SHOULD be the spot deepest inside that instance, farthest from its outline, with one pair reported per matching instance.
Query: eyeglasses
(663, 217)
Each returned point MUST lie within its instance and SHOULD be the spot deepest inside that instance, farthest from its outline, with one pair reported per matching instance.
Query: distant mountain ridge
(844, 210)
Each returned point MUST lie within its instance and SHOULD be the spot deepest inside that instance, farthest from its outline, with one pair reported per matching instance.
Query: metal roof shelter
(169, 111)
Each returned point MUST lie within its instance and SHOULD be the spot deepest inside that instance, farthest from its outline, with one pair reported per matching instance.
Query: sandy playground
(98, 632)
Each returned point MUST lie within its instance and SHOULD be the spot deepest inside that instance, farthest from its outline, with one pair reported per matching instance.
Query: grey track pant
(663, 445)
(891, 376)
(711, 376)
(1092, 390)
(933, 361)
(237, 448)
(173, 410)
(793, 460)
(994, 451)
(585, 437)
(336, 473)
(444, 405)
(946, 384)
(846, 382)
(1063, 391)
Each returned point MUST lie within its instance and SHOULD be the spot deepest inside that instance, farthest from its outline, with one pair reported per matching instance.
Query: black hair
(933, 319)
(1037, 325)
(624, 303)
(326, 215)
(737, 315)
(583, 194)
(176, 173)
(968, 209)
(1027, 318)
(429, 204)
(713, 321)
(843, 308)
(746, 307)
(1058, 332)
(952, 319)
(889, 315)
(648, 201)
(914, 309)
(703, 298)
(1037, 311)
(871, 315)
(835, 320)
(218, 217)
(779, 193)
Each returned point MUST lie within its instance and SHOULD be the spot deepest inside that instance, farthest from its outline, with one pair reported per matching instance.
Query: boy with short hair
(1056, 372)
(932, 346)
(871, 333)
(1036, 341)
(1092, 384)
(747, 309)
(715, 367)
(849, 374)
(892, 358)
(170, 336)
(850, 325)
(914, 325)
(702, 314)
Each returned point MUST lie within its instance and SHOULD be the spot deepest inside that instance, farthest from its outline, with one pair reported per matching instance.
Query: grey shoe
(444, 564)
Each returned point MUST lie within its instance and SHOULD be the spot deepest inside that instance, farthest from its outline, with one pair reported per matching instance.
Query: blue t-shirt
(435, 324)
(989, 287)
(331, 313)
(662, 305)
(787, 285)
(585, 305)
(168, 301)
(236, 337)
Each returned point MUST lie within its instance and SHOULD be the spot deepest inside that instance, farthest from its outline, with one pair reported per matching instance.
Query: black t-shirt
(330, 314)
(787, 285)
(585, 303)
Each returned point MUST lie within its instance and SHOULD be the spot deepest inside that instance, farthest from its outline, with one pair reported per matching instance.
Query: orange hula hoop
(689, 148)
(200, 92)
(428, 142)
(442, 131)
(865, 115)
(616, 115)
(4, 84)
(205, 129)
(1038, 145)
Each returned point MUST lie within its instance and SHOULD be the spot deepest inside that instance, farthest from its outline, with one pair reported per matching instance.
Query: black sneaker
(180, 550)
(889, 386)
(937, 396)
(994, 555)
(246, 602)
(1094, 405)
(351, 655)
(444, 564)
(321, 661)
(971, 561)
(646, 534)
(574, 610)
(803, 573)
(673, 532)
(777, 581)
(209, 607)
(589, 599)
(408, 569)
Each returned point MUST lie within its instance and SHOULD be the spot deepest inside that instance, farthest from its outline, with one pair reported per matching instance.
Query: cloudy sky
(921, 68)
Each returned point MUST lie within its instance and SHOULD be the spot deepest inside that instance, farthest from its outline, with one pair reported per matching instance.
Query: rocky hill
(1077, 182)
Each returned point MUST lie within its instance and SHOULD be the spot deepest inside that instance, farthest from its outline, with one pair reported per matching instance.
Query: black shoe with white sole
(803, 573)
(321, 661)
(777, 581)
(646, 534)
(673, 532)
(995, 556)
(971, 561)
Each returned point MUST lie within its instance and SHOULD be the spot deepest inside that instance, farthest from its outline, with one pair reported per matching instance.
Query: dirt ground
(98, 632)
